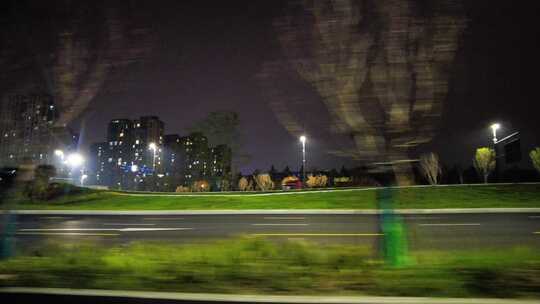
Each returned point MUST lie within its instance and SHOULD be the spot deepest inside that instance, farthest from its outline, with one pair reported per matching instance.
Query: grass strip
(256, 265)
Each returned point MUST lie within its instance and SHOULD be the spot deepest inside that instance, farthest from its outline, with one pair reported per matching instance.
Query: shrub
(316, 181)
(264, 182)
(200, 186)
(183, 189)
(243, 184)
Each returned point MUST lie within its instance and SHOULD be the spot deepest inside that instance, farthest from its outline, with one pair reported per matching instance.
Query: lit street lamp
(75, 160)
(303, 141)
(494, 128)
(60, 154)
(152, 146)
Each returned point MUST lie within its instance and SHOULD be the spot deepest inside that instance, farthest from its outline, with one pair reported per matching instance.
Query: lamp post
(494, 127)
(60, 154)
(76, 160)
(152, 146)
(303, 141)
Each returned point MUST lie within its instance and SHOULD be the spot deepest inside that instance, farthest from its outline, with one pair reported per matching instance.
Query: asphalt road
(425, 231)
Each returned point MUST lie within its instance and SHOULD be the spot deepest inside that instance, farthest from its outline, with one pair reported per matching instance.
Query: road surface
(425, 231)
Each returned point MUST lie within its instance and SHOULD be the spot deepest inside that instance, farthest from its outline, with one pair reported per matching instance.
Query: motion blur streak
(380, 68)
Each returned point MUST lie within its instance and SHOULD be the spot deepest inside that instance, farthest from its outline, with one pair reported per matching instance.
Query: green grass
(516, 196)
(254, 265)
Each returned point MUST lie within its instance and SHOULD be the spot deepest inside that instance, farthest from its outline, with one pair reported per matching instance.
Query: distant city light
(152, 146)
(134, 168)
(303, 139)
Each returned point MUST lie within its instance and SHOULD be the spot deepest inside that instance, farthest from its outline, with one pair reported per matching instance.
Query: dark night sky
(207, 57)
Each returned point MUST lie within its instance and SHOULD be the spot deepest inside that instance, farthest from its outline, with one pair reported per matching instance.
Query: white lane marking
(279, 224)
(422, 218)
(451, 224)
(126, 224)
(67, 233)
(318, 234)
(107, 229)
(55, 217)
(162, 218)
(284, 218)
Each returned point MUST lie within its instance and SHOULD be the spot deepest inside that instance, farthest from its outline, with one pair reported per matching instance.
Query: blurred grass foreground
(255, 265)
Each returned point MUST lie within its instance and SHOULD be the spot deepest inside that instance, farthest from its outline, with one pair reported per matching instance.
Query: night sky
(206, 58)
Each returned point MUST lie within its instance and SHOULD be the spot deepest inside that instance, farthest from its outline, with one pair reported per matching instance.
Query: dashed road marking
(450, 224)
(280, 224)
(317, 234)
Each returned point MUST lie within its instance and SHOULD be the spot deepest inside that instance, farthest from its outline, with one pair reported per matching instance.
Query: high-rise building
(197, 156)
(131, 155)
(147, 144)
(174, 161)
(138, 156)
(119, 152)
(27, 130)
(220, 162)
(98, 164)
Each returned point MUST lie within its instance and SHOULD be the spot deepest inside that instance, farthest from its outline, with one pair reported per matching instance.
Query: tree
(535, 158)
(40, 184)
(273, 172)
(287, 171)
(264, 182)
(431, 167)
(484, 162)
(243, 184)
(380, 67)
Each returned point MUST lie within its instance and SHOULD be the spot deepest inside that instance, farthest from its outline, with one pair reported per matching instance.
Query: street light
(59, 153)
(75, 160)
(152, 146)
(303, 141)
(494, 128)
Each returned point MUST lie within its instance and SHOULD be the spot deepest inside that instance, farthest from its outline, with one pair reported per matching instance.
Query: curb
(276, 211)
(205, 297)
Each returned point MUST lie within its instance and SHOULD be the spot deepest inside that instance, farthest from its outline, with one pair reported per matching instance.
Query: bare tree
(431, 167)
(484, 162)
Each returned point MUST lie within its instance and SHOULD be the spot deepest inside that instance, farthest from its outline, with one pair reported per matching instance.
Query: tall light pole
(152, 146)
(494, 127)
(303, 141)
(60, 154)
(76, 160)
